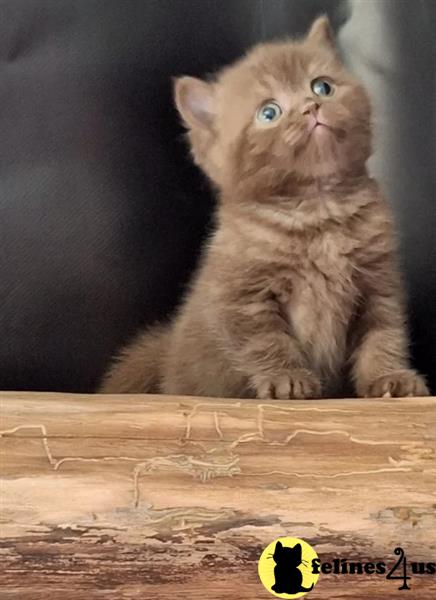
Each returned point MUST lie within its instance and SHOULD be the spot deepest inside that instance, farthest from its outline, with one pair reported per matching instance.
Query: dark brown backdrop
(101, 211)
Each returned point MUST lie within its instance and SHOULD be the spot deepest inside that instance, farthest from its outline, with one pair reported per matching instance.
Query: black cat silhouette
(286, 572)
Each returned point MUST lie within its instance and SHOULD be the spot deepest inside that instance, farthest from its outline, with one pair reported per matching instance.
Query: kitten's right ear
(279, 546)
(321, 32)
(195, 101)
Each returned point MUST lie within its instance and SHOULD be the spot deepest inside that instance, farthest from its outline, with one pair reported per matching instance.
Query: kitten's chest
(321, 298)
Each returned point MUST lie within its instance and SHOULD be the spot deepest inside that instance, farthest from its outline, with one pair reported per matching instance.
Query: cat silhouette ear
(195, 101)
(279, 546)
(321, 32)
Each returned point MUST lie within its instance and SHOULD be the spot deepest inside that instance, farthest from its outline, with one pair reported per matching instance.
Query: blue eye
(321, 87)
(269, 113)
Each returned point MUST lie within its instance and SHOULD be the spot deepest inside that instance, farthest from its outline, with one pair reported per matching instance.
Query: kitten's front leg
(381, 367)
(380, 362)
(263, 348)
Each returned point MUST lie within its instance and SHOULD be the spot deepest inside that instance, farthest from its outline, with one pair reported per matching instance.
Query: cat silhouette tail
(302, 589)
(137, 368)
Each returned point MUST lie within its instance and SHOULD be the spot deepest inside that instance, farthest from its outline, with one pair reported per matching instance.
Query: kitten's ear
(279, 546)
(321, 32)
(195, 101)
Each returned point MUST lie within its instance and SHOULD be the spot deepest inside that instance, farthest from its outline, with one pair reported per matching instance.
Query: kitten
(298, 289)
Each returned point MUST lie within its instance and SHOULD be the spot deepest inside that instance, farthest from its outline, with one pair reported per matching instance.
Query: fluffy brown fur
(299, 289)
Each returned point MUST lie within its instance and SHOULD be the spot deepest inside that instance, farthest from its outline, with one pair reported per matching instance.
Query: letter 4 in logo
(285, 568)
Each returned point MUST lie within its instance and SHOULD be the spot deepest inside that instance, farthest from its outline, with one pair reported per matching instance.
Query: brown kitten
(299, 288)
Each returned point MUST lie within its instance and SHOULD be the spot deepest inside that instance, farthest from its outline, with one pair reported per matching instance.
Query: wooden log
(121, 497)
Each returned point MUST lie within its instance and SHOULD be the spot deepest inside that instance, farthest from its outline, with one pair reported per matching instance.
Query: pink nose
(309, 107)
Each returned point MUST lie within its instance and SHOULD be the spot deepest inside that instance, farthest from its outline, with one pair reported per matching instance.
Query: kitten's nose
(309, 107)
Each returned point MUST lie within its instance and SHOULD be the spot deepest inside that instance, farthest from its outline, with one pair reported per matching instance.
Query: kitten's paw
(298, 384)
(398, 384)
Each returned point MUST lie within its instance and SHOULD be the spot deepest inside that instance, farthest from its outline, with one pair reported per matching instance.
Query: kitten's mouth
(316, 124)
(319, 127)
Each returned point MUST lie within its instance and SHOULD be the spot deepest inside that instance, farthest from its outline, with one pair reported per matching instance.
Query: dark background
(101, 211)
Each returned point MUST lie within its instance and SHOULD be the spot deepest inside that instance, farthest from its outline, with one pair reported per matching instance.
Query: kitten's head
(289, 557)
(286, 111)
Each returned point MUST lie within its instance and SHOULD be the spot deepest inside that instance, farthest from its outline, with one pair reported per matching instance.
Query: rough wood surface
(156, 497)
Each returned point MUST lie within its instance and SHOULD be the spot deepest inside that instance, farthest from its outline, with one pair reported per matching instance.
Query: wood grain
(122, 497)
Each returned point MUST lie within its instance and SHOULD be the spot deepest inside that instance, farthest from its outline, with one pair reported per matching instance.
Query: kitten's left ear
(321, 32)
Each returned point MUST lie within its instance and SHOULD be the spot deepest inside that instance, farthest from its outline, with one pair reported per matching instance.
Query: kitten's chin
(321, 161)
(325, 153)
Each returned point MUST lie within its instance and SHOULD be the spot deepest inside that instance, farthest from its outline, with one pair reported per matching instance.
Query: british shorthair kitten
(298, 290)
